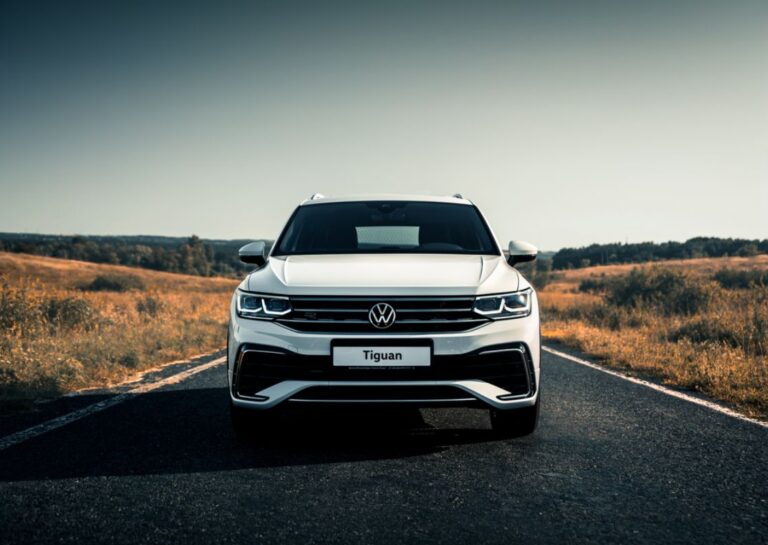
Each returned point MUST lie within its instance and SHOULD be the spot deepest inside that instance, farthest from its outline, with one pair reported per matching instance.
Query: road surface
(612, 462)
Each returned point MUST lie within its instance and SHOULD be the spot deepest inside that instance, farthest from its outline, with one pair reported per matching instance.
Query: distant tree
(748, 250)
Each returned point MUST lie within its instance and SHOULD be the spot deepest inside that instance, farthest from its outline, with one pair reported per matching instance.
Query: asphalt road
(612, 462)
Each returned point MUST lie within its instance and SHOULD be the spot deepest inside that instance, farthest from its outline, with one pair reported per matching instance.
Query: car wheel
(515, 422)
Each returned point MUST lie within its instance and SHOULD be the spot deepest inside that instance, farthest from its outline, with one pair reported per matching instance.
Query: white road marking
(659, 388)
(138, 377)
(58, 422)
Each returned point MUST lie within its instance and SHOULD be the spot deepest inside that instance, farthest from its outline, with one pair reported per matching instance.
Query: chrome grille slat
(302, 309)
(450, 298)
(353, 321)
(436, 310)
(365, 310)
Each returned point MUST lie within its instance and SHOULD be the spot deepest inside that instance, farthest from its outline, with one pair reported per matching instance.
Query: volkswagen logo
(382, 315)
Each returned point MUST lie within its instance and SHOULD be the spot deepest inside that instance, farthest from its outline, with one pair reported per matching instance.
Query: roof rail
(316, 196)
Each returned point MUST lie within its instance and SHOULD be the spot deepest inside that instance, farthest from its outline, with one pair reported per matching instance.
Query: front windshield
(370, 227)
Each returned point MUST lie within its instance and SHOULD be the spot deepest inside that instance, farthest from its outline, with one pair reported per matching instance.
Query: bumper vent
(368, 394)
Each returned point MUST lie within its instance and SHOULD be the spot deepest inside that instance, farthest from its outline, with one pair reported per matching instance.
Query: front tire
(515, 422)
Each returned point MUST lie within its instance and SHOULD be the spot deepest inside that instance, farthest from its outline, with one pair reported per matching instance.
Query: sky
(566, 122)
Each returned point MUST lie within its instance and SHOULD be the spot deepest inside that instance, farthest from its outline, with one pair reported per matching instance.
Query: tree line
(604, 254)
(191, 255)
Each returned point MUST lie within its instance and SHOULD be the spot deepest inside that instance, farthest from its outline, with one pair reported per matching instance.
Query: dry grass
(63, 328)
(703, 333)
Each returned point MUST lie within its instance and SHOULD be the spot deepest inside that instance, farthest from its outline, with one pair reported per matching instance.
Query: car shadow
(189, 430)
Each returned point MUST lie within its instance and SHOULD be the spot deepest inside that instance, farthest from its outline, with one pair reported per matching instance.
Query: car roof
(321, 199)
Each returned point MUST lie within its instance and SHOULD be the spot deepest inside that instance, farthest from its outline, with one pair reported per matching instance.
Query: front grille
(506, 366)
(414, 314)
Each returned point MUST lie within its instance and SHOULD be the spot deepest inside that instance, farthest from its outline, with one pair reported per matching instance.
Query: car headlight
(255, 306)
(504, 305)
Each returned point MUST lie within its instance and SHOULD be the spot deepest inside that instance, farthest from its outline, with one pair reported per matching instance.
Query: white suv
(386, 299)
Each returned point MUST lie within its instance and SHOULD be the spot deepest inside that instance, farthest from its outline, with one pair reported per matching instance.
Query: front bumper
(498, 376)
(496, 365)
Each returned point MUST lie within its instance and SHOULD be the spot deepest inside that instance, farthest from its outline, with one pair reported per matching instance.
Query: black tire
(515, 422)
(249, 423)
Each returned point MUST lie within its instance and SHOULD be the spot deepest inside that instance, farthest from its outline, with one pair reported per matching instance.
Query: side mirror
(255, 253)
(520, 252)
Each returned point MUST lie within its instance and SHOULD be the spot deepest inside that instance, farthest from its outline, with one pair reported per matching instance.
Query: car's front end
(412, 322)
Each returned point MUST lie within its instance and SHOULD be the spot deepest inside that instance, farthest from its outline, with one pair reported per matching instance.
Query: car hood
(372, 274)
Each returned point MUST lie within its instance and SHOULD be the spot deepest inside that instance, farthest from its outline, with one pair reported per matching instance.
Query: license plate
(382, 356)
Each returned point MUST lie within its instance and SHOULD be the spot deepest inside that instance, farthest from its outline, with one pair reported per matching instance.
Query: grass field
(698, 323)
(67, 325)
